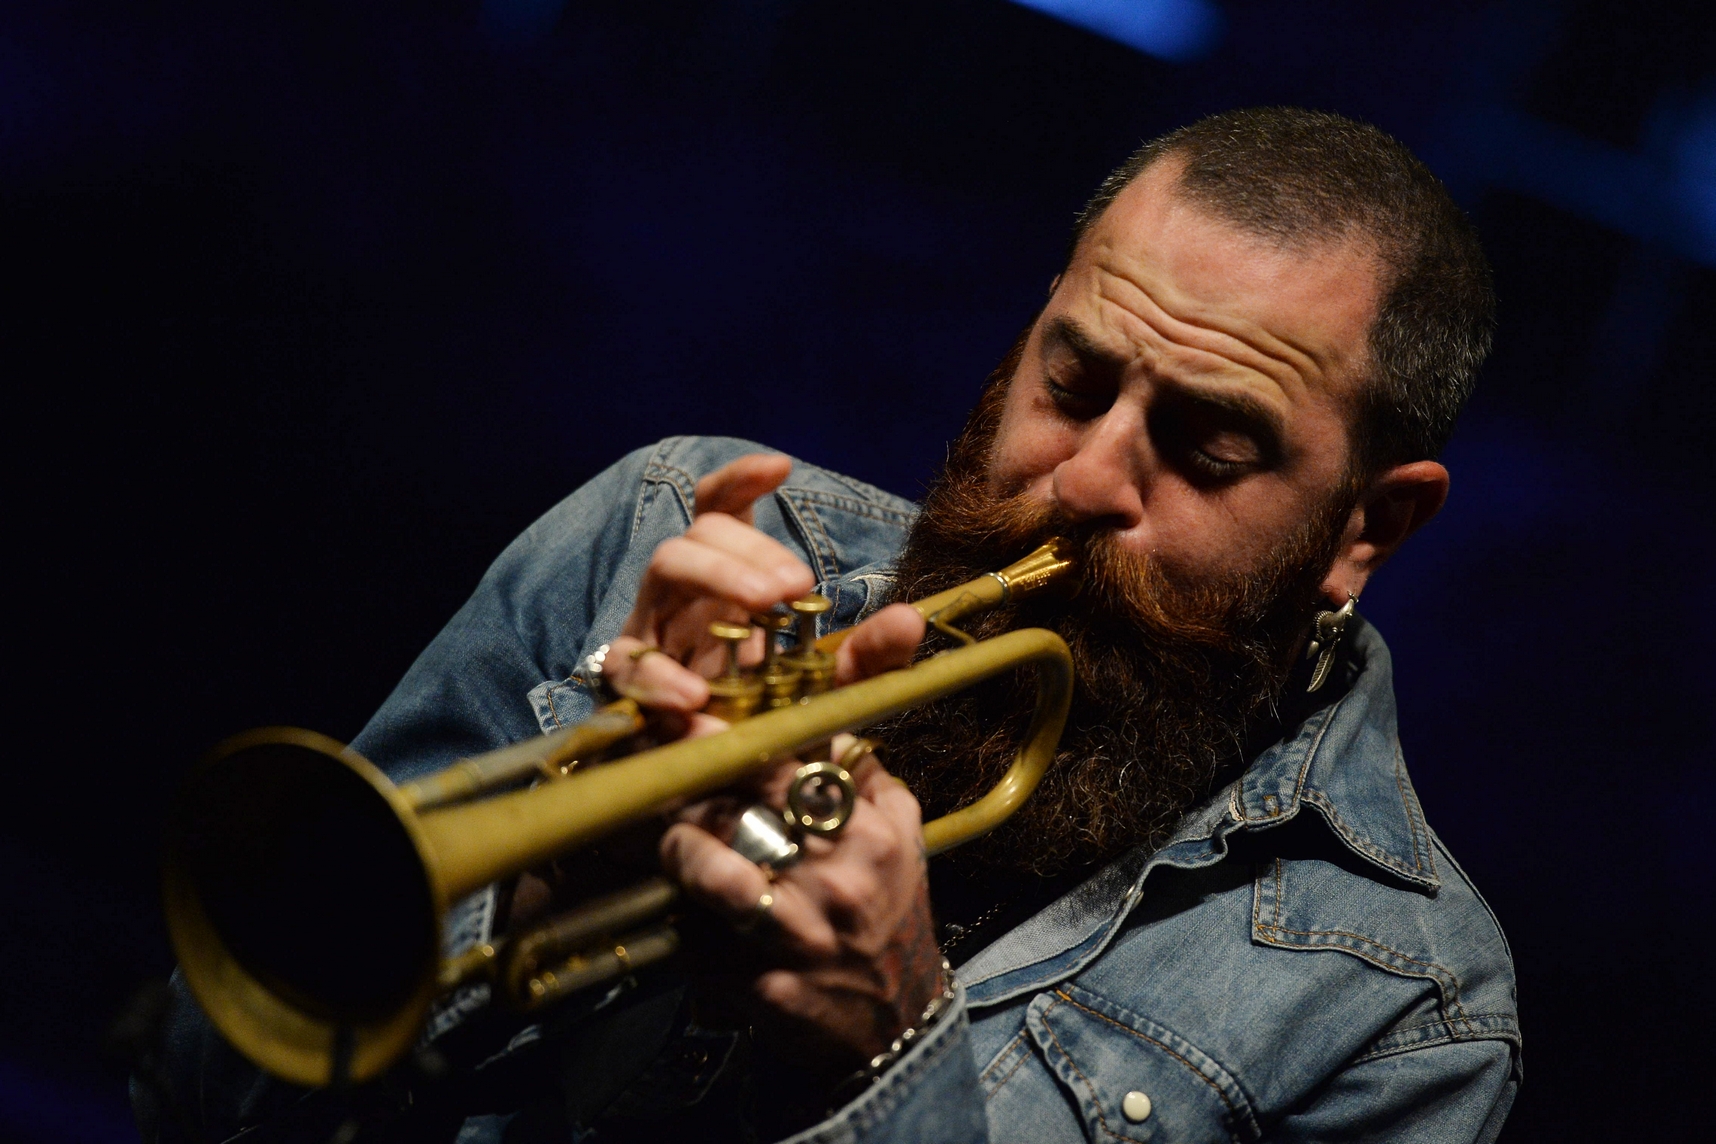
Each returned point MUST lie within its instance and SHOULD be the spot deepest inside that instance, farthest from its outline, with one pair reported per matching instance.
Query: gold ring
(638, 653)
(851, 755)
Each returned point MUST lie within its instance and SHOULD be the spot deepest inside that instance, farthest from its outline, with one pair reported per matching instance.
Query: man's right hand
(721, 568)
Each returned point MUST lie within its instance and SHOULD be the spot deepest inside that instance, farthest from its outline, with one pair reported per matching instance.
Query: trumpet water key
(306, 892)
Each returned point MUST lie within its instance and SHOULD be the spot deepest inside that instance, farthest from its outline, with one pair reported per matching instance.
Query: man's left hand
(849, 926)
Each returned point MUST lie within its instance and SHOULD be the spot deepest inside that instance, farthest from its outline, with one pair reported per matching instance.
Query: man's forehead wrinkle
(1085, 342)
(1207, 274)
(1161, 297)
(1155, 329)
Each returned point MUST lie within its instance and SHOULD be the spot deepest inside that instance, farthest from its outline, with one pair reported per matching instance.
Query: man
(1223, 915)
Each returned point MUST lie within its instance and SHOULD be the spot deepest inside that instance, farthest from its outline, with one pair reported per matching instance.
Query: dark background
(310, 307)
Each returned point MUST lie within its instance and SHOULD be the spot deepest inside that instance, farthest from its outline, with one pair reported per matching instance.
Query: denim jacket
(1303, 960)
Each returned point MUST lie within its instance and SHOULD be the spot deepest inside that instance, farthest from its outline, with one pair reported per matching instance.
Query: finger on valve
(753, 549)
(687, 568)
(641, 671)
(885, 641)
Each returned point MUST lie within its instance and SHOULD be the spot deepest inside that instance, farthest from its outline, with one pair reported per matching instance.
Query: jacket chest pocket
(1132, 1079)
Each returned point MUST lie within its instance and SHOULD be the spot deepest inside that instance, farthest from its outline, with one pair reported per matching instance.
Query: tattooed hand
(847, 957)
(850, 932)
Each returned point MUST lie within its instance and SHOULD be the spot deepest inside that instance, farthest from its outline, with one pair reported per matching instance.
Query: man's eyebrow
(1242, 406)
(1257, 415)
(1065, 331)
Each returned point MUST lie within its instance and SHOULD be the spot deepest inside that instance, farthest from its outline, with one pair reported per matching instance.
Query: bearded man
(1223, 915)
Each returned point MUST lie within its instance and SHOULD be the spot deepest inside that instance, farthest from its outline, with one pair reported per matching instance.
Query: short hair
(1299, 177)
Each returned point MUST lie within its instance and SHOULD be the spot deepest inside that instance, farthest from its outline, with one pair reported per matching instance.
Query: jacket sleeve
(1441, 1094)
(930, 1096)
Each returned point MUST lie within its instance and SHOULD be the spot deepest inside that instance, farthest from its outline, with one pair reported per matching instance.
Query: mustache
(965, 531)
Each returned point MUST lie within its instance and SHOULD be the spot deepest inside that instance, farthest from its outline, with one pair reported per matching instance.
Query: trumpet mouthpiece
(1037, 571)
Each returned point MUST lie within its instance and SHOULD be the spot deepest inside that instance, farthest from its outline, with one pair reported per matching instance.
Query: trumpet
(306, 893)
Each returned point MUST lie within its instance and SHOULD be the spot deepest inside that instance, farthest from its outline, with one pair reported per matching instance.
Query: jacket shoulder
(1446, 937)
(692, 458)
(837, 522)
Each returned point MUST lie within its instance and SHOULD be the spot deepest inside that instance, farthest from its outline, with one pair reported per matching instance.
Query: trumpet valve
(736, 693)
(816, 668)
(780, 679)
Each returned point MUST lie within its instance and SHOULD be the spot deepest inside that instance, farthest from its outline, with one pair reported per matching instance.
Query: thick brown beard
(1170, 676)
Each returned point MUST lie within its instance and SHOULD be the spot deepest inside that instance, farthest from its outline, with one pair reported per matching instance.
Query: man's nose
(1103, 479)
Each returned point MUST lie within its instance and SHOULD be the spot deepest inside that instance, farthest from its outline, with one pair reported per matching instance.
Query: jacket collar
(1343, 760)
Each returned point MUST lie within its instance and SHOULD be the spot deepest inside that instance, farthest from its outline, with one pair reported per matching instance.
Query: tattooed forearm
(911, 974)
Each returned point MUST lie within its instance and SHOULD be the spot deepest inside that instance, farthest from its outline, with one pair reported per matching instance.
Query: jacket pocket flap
(1133, 1079)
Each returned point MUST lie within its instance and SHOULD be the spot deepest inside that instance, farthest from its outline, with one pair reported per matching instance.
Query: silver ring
(590, 668)
(761, 836)
(761, 912)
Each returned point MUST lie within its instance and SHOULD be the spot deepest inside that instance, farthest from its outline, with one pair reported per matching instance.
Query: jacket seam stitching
(1020, 1053)
(1440, 973)
(655, 474)
(1090, 1088)
(646, 494)
(1017, 1065)
(1280, 891)
(1451, 1036)
(1006, 1051)
(1412, 820)
(855, 507)
(1443, 1022)
(1419, 824)
(1195, 1070)
(827, 567)
(661, 473)
(1257, 899)
(863, 490)
(1359, 843)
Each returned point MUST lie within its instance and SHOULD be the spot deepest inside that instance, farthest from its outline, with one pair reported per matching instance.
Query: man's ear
(1397, 503)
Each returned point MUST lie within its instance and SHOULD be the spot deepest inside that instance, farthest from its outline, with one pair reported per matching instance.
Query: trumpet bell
(304, 905)
(306, 893)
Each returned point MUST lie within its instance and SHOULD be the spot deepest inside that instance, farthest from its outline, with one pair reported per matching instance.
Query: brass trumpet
(306, 893)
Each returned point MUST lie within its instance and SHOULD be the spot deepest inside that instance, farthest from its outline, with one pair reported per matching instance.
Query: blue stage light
(1177, 30)
(1692, 182)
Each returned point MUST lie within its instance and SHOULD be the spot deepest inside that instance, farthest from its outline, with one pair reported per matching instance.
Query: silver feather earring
(1326, 632)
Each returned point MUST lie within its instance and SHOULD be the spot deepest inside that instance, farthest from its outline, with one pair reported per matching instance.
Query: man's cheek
(1021, 431)
(1202, 532)
(1023, 461)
